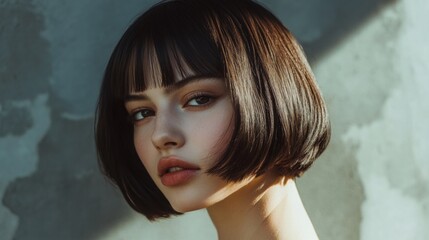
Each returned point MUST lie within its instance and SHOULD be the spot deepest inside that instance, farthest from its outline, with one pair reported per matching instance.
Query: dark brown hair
(281, 122)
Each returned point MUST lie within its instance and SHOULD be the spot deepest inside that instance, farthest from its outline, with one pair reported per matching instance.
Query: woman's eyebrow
(174, 87)
(135, 97)
(188, 80)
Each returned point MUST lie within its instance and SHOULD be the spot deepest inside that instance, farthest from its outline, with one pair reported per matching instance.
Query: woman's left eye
(199, 100)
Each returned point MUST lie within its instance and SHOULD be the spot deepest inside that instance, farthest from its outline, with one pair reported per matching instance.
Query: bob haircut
(280, 123)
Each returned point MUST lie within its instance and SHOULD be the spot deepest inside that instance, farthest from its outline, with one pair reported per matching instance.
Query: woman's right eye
(141, 114)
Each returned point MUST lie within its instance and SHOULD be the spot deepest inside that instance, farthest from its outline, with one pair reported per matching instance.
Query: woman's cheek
(143, 145)
(210, 133)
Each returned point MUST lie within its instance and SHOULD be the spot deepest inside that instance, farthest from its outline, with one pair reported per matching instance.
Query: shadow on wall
(66, 197)
(320, 25)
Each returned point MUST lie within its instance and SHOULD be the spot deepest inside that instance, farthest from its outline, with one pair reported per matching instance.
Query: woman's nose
(167, 133)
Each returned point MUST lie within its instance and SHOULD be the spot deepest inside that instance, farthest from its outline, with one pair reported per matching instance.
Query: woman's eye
(141, 114)
(199, 100)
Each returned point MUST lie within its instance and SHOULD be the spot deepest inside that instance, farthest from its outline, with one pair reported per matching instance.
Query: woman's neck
(266, 208)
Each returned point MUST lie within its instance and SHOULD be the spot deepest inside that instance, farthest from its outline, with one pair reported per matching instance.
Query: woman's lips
(174, 172)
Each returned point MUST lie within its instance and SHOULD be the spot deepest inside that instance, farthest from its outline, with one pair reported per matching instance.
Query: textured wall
(370, 58)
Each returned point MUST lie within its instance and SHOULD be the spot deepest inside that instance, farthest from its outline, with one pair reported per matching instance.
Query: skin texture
(268, 207)
(192, 121)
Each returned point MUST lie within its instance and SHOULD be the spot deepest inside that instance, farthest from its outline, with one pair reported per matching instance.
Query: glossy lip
(178, 177)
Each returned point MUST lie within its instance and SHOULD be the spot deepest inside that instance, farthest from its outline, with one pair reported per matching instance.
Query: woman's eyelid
(198, 94)
(137, 107)
(140, 114)
(134, 105)
(140, 102)
(210, 86)
(139, 110)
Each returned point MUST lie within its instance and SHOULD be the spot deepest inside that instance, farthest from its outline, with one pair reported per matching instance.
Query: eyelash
(146, 112)
(196, 95)
(133, 115)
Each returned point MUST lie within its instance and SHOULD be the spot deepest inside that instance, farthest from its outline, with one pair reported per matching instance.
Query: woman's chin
(186, 207)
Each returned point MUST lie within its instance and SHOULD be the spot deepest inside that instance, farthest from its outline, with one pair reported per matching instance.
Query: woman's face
(179, 133)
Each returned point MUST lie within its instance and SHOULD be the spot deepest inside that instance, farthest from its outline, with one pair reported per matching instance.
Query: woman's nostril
(170, 144)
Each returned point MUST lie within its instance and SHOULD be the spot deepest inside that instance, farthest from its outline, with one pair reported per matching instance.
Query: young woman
(211, 104)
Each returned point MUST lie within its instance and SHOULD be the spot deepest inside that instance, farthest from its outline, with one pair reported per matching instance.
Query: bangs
(280, 120)
(158, 55)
